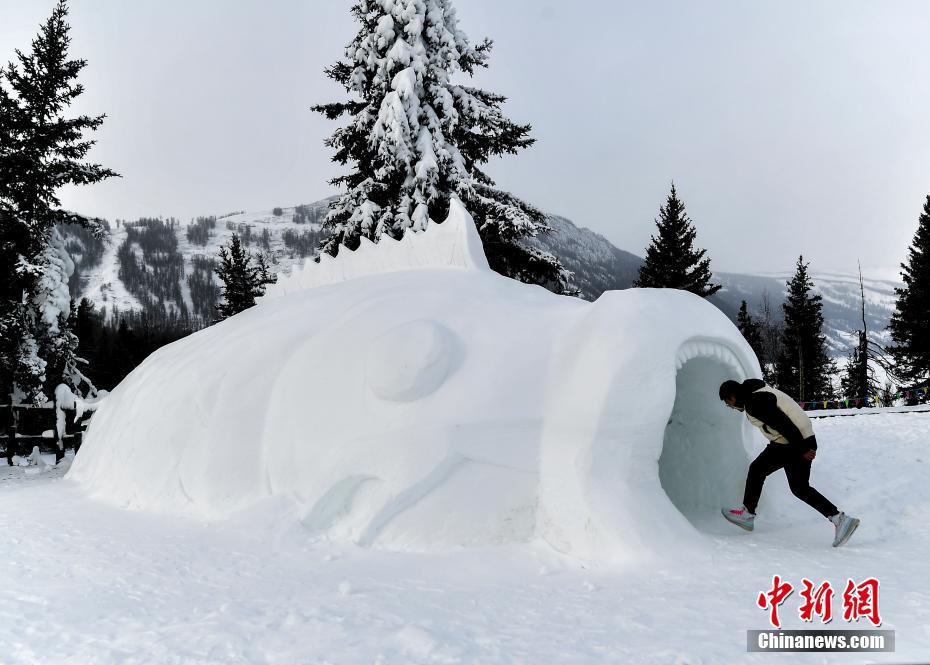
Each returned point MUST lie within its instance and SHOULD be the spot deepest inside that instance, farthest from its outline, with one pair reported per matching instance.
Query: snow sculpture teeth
(454, 243)
(697, 348)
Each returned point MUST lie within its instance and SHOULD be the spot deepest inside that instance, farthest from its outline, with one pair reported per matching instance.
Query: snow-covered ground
(85, 582)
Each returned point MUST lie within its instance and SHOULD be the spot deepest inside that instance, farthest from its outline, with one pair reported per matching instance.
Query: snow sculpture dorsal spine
(454, 243)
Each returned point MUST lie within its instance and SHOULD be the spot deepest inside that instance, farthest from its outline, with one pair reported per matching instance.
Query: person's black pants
(777, 456)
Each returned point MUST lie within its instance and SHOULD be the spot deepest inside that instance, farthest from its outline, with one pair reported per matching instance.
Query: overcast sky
(788, 127)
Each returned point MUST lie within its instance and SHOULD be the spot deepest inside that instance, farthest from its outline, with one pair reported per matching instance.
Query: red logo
(773, 598)
(861, 601)
(817, 601)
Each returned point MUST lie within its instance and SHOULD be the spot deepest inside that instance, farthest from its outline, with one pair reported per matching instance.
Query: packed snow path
(83, 582)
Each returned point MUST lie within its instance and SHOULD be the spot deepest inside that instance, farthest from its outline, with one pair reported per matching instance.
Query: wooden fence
(25, 426)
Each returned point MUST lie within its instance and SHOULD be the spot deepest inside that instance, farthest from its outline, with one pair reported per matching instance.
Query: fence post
(61, 430)
(11, 431)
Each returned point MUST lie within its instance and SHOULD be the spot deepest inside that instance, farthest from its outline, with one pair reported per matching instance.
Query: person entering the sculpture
(791, 447)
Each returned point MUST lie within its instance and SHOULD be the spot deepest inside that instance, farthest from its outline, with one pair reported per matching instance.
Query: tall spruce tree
(40, 151)
(244, 278)
(414, 139)
(672, 262)
(751, 332)
(910, 322)
(803, 368)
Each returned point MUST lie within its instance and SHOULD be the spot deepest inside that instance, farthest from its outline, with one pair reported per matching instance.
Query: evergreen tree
(858, 381)
(672, 262)
(751, 331)
(414, 139)
(124, 349)
(40, 151)
(86, 324)
(243, 282)
(803, 368)
(910, 322)
(58, 345)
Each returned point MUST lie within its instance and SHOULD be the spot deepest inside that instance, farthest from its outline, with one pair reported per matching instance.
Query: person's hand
(810, 455)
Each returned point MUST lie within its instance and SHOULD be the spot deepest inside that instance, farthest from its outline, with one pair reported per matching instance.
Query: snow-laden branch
(65, 399)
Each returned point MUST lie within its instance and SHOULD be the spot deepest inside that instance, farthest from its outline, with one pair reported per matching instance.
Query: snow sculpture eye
(410, 361)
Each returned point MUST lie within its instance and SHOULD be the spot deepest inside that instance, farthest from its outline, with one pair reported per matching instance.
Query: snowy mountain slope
(841, 302)
(96, 268)
(284, 241)
(597, 264)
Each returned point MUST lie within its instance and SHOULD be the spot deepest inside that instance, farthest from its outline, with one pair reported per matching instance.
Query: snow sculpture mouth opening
(703, 462)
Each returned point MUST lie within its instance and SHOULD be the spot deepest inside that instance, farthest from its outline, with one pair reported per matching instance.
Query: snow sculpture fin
(454, 243)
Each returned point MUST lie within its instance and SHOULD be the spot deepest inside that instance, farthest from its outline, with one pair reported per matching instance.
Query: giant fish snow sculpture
(404, 396)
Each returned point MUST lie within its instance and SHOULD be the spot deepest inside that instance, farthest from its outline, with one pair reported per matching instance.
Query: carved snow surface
(431, 408)
(454, 243)
(411, 361)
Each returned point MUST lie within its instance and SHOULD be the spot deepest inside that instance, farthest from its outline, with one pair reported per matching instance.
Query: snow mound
(419, 407)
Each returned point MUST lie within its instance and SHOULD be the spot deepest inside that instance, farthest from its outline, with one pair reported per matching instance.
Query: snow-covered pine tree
(671, 261)
(750, 331)
(414, 138)
(243, 281)
(910, 322)
(803, 368)
(52, 301)
(40, 151)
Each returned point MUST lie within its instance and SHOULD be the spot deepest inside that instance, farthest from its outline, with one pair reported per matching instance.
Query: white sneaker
(845, 526)
(741, 517)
